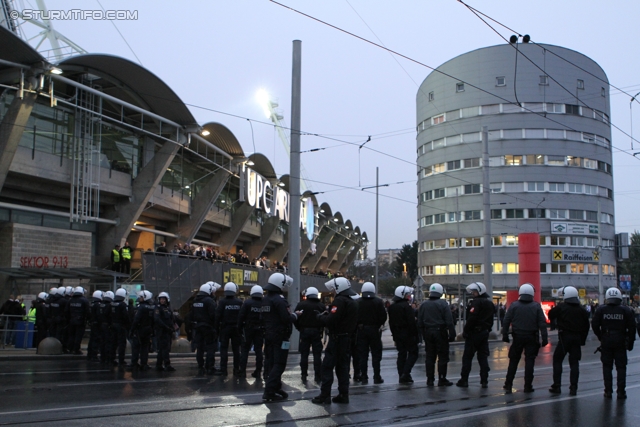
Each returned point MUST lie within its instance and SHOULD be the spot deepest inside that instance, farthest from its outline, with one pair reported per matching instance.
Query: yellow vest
(32, 315)
(126, 253)
(116, 256)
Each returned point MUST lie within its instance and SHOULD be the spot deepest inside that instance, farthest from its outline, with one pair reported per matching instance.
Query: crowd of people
(352, 325)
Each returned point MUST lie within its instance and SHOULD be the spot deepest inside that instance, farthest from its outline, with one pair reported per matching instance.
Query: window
(514, 187)
(512, 160)
(440, 269)
(454, 191)
(557, 187)
(512, 134)
(590, 189)
(427, 220)
(558, 241)
(578, 268)
(535, 186)
(537, 213)
(497, 267)
(428, 171)
(438, 143)
(454, 268)
(590, 164)
(454, 139)
(438, 193)
(514, 213)
(452, 115)
(502, 81)
(496, 187)
(555, 160)
(438, 218)
(591, 242)
(543, 268)
(472, 189)
(555, 134)
(453, 165)
(427, 195)
(438, 168)
(588, 137)
(557, 214)
(439, 243)
(496, 241)
(474, 268)
(580, 84)
(472, 163)
(428, 270)
(535, 159)
(490, 109)
(512, 267)
(472, 215)
(575, 188)
(577, 241)
(511, 240)
(544, 80)
(470, 242)
(572, 109)
(459, 87)
(558, 268)
(606, 218)
(592, 268)
(574, 161)
(470, 112)
(454, 243)
(592, 216)
(543, 240)
(496, 213)
(555, 108)
(576, 214)
(431, 97)
(603, 92)
(453, 216)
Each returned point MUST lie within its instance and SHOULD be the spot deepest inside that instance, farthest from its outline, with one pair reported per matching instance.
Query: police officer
(78, 312)
(572, 322)
(120, 323)
(115, 259)
(252, 328)
(93, 348)
(436, 322)
(527, 321)
(164, 327)
(402, 322)
(40, 316)
(371, 318)
(227, 327)
(614, 326)
(278, 322)
(341, 321)
(125, 258)
(141, 331)
(58, 323)
(202, 319)
(104, 317)
(480, 313)
(310, 333)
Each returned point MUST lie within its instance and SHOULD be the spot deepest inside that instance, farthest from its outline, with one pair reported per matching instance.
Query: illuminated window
(472, 242)
(535, 159)
(512, 267)
(440, 243)
(498, 268)
(440, 269)
(455, 268)
(511, 240)
(454, 243)
(496, 241)
(439, 168)
(474, 268)
(436, 120)
(558, 268)
(577, 268)
(512, 160)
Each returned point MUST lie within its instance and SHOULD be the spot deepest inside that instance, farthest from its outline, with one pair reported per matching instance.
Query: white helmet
(214, 287)
(108, 295)
(97, 295)
(257, 292)
(278, 281)
(368, 290)
(53, 291)
(474, 287)
(339, 285)
(206, 288)
(230, 289)
(61, 291)
(613, 294)
(43, 296)
(436, 290)
(569, 292)
(526, 292)
(145, 295)
(68, 290)
(79, 290)
(164, 295)
(403, 291)
(311, 292)
(121, 292)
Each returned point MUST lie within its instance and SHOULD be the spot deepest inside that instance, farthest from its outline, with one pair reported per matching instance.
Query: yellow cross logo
(557, 255)
(596, 256)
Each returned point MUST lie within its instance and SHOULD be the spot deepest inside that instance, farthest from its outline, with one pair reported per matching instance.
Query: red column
(511, 297)
(529, 261)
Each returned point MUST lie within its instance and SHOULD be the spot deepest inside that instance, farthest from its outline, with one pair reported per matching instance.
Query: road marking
(503, 409)
(53, 372)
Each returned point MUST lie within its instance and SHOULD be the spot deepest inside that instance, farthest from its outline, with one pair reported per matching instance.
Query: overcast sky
(217, 54)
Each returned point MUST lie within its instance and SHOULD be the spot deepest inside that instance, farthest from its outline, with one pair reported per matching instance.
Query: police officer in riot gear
(371, 318)
(278, 322)
(58, 308)
(402, 322)
(41, 307)
(252, 328)
(164, 327)
(436, 322)
(120, 322)
(527, 321)
(572, 322)
(142, 330)
(615, 327)
(93, 348)
(480, 313)
(104, 317)
(341, 321)
(78, 312)
(310, 333)
(202, 321)
(227, 327)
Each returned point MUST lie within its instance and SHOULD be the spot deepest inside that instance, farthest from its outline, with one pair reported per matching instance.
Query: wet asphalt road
(77, 393)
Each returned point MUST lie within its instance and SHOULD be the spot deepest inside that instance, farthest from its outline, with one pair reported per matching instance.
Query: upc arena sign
(574, 228)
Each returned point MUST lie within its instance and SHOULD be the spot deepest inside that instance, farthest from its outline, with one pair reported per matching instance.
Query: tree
(631, 266)
(408, 255)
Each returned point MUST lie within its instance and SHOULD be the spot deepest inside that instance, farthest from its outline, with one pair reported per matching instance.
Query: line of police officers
(354, 326)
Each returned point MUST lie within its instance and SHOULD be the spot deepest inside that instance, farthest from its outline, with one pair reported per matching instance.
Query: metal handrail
(5, 329)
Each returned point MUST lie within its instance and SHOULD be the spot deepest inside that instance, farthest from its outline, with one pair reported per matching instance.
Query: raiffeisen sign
(261, 194)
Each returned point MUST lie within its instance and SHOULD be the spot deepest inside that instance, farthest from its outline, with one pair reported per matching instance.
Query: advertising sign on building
(574, 255)
(574, 228)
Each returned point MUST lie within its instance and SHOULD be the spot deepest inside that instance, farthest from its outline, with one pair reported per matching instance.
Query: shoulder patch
(334, 309)
(472, 309)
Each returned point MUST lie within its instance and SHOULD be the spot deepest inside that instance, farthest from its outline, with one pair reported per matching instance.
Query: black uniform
(371, 318)
(402, 322)
(141, 332)
(78, 311)
(41, 324)
(164, 327)
(310, 336)
(614, 326)
(227, 326)
(527, 322)
(95, 338)
(57, 309)
(252, 327)
(572, 322)
(476, 338)
(278, 323)
(119, 329)
(104, 320)
(341, 321)
(201, 320)
(436, 322)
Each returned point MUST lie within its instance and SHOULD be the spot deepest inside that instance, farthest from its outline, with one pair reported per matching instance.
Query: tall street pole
(377, 230)
(294, 185)
(486, 212)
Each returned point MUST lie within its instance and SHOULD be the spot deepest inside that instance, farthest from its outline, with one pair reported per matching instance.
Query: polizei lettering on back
(613, 316)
